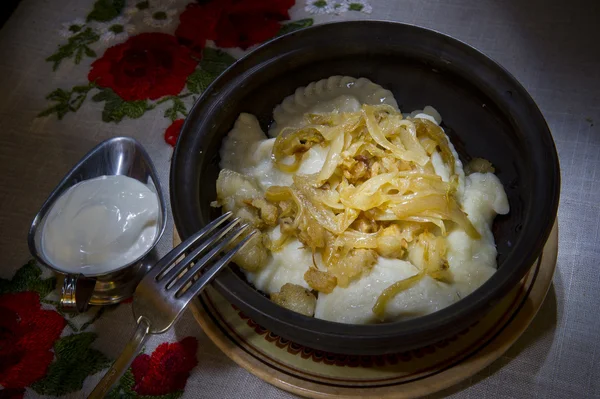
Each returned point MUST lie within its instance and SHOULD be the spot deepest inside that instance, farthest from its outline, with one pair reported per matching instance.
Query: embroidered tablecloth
(73, 73)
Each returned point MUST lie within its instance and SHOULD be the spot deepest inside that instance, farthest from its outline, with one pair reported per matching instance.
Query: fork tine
(210, 273)
(173, 272)
(162, 267)
(200, 264)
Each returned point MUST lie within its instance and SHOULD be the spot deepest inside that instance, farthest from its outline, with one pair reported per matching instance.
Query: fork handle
(120, 365)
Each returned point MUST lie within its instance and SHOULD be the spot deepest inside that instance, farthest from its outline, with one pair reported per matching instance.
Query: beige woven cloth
(550, 46)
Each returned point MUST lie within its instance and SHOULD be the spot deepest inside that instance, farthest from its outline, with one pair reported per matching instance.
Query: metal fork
(168, 288)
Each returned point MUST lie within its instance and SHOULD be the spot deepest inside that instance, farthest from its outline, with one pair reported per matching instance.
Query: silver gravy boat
(116, 156)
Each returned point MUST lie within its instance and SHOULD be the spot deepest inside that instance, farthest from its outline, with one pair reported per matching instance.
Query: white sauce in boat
(101, 224)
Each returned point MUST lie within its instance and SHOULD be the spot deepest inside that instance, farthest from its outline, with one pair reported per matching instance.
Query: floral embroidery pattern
(337, 6)
(159, 17)
(34, 355)
(172, 132)
(75, 361)
(28, 278)
(72, 28)
(147, 66)
(106, 10)
(76, 47)
(135, 6)
(144, 71)
(320, 6)
(27, 334)
(232, 23)
(360, 5)
(117, 30)
(164, 372)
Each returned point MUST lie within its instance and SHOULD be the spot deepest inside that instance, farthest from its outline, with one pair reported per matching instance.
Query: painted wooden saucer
(317, 374)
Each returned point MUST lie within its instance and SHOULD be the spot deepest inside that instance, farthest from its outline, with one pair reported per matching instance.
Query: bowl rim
(458, 312)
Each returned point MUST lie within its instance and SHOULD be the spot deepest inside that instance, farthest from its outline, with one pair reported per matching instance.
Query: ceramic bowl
(486, 112)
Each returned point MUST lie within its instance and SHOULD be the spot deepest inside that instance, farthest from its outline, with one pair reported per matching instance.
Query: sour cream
(100, 225)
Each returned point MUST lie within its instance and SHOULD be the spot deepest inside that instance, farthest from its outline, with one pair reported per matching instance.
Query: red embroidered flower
(232, 23)
(147, 66)
(167, 369)
(197, 23)
(27, 333)
(172, 132)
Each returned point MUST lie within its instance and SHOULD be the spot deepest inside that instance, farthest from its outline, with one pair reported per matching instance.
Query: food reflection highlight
(365, 215)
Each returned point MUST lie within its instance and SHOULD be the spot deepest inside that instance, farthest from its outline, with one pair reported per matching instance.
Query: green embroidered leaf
(215, 61)
(76, 47)
(199, 80)
(115, 108)
(294, 26)
(177, 108)
(75, 361)
(66, 101)
(172, 395)
(60, 109)
(79, 322)
(90, 53)
(356, 7)
(28, 278)
(106, 10)
(124, 390)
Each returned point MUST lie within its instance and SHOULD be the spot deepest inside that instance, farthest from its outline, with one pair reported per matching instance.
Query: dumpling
(472, 262)
(485, 197)
(240, 144)
(247, 150)
(336, 94)
(428, 113)
(285, 266)
(354, 303)
(440, 168)
(234, 188)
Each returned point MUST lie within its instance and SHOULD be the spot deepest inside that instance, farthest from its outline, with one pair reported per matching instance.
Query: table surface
(550, 46)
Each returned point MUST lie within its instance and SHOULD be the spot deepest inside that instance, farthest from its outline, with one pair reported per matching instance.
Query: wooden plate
(318, 374)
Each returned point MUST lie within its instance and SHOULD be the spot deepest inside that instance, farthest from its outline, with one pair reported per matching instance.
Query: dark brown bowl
(486, 112)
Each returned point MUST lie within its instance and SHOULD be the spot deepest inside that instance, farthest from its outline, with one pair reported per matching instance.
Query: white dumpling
(428, 113)
(266, 174)
(240, 144)
(343, 103)
(354, 303)
(335, 94)
(264, 170)
(440, 168)
(443, 171)
(233, 188)
(472, 262)
(247, 150)
(485, 196)
(285, 266)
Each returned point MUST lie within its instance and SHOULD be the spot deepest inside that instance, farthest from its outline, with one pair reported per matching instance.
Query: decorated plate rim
(492, 348)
